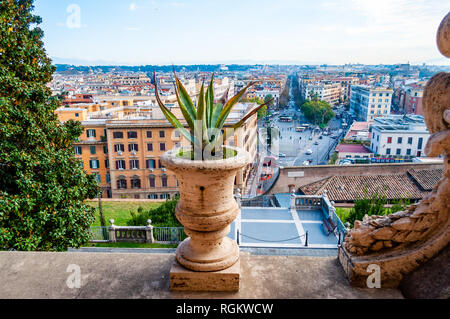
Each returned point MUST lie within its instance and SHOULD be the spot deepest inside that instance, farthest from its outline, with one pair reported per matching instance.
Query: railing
(306, 202)
(99, 234)
(137, 234)
(169, 235)
(331, 221)
(259, 201)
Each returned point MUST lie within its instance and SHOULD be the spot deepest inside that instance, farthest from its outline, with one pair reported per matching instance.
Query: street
(294, 145)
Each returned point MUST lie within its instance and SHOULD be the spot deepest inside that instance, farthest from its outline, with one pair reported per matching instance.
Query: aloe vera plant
(205, 120)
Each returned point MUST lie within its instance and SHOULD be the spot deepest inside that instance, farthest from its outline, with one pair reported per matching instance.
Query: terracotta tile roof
(313, 188)
(426, 179)
(352, 148)
(351, 188)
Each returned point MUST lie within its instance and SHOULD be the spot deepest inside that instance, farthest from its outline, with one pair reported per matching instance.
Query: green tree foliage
(42, 186)
(374, 205)
(162, 216)
(317, 111)
(262, 112)
(333, 158)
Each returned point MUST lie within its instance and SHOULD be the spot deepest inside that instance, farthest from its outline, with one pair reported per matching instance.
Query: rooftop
(409, 122)
(353, 148)
(412, 184)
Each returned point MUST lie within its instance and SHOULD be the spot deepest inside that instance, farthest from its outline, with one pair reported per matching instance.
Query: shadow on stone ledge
(431, 280)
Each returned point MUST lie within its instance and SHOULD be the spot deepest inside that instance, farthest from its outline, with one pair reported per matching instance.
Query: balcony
(127, 274)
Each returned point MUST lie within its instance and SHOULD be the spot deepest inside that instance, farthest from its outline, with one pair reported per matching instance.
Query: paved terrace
(133, 275)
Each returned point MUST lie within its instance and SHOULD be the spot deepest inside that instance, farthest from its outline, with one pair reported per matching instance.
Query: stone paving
(134, 275)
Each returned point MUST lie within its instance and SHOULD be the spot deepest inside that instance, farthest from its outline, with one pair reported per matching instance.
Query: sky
(161, 32)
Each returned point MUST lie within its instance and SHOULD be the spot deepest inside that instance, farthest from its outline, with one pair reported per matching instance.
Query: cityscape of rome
(328, 124)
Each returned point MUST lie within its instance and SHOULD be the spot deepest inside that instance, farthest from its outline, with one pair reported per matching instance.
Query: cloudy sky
(242, 31)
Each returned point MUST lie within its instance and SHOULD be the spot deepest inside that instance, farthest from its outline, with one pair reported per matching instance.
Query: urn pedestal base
(182, 279)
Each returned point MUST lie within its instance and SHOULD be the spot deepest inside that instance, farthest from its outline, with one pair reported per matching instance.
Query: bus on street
(285, 118)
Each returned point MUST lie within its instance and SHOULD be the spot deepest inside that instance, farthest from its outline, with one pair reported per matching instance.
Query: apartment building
(123, 149)
(399, 135)
(370, 102)
(326, 91)
(346, 83)
(410, 99)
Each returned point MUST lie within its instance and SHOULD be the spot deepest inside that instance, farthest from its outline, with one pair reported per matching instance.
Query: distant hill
(72, 69)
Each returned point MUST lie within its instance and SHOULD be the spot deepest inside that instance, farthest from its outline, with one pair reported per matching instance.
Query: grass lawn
(130, 245)
(119, 211)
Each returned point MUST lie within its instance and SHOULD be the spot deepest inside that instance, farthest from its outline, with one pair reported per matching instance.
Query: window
(381, 94)
(398, 151)
(153, 196)
(132, 147)
(98, 178)
(118, 134)
(78, 150)
(165, 196)
(121, 183)
(410, 140)
(106, 163)
(162, 146)
(419, 144)
(134, 164)
(150, 147)
(164, 181)
(379, 106)
(388, 151)
(151, 163)
(132, 134)
(378, 138)
(108, 178)
(152, 181)
(119, 148)
(135, 182)
(90, 133)
(408, 151)
(149, 134)
(160, 164)
(399, 140)
(94, 164)
(105, 149)
(389, 140)
(93, 150)
(177, 133)
(77, 115)
(162, 134)
(120, 164)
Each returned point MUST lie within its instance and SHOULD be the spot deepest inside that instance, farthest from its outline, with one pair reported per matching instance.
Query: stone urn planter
(206, 209)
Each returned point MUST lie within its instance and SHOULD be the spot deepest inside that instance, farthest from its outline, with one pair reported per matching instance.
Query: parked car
(309, 152)
(305, 163)
(316, 143)
(281, 155)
